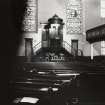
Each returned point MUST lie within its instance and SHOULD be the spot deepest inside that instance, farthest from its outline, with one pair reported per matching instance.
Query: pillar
(92, 55)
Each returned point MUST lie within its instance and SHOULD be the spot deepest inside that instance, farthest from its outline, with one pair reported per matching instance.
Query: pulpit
(52, 33)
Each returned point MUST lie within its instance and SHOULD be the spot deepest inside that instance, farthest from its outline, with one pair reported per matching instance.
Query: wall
(91, 11)
(96, 49)
(81, 39)
(36, 39)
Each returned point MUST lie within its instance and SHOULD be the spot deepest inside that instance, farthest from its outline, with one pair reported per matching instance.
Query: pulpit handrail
(78, 50)
(37, 44)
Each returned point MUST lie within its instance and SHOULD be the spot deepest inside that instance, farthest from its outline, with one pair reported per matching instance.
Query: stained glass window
(73, 16)
(30, 22)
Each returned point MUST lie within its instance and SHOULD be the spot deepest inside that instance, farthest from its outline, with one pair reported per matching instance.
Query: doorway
(74, 49)
(28, 47)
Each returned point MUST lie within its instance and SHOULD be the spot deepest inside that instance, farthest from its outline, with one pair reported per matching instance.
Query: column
(92, 55)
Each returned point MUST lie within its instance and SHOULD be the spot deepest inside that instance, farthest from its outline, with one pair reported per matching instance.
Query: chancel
(55, 37)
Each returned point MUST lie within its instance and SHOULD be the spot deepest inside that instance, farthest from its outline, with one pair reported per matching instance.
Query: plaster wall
(36, 39)
(96, 49)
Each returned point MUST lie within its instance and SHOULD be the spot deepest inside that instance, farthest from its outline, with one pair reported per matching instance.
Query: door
(28, 47)
(74, 49)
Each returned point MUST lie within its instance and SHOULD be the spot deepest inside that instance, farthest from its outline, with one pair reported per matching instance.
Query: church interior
(60, 58)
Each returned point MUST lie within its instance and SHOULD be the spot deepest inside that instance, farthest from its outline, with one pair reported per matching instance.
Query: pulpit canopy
(55, 20)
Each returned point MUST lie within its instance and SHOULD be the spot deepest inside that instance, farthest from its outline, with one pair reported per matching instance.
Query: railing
(71, 50)
(65, 45)
(37, 47)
